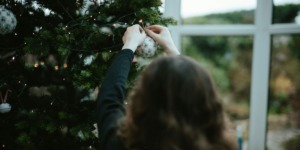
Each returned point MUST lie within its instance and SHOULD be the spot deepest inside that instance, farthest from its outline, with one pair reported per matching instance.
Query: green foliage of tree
(285, 13)
(294, 45)
(53, 61)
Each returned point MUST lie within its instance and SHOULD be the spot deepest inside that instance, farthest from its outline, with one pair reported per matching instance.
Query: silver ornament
(5, 107)
(148, 48)
(8, 21)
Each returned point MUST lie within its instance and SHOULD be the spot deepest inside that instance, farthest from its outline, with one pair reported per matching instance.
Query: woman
(173, 106)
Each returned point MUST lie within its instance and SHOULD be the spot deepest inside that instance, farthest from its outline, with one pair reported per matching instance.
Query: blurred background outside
(229, 60)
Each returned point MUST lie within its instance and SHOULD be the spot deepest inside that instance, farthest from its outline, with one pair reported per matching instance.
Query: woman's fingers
(155, 28)
(141, 29)
(133, 37)
(151, 34)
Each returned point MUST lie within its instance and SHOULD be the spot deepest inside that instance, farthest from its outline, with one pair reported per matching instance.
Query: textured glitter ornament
(5, 107)
(148, 48)
(8, 21)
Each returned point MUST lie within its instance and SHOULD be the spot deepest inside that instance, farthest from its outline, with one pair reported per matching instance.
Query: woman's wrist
(130, 46)
(172, 50)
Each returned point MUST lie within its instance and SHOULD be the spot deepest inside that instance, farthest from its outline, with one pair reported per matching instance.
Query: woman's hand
(163, 37)
(133, 37)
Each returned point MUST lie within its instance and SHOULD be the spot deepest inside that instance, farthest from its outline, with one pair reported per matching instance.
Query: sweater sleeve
(110, 107)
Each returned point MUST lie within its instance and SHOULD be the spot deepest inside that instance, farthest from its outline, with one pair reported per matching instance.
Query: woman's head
(174, 105)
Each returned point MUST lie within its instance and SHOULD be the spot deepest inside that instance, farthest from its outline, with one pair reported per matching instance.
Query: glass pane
(228, 59)
(286, 11)
(284, 96)
(218, 11)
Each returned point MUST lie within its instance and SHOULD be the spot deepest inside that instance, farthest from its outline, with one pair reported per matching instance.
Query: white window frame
(262, 31)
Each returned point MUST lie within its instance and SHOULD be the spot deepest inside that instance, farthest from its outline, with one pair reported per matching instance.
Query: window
(228, 59)
(284, 94)
(263, 29)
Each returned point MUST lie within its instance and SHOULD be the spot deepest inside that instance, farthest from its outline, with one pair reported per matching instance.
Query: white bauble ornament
(8, 21)
(4, 108)
(148, 48)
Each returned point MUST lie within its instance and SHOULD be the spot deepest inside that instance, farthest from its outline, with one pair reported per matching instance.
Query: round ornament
(8, 21)
(4, 108)
(148, 48)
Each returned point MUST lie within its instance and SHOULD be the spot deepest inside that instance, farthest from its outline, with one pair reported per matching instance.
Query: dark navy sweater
(110, 107)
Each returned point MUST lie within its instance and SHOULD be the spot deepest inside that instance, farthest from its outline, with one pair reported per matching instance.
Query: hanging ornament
(81, 135)
(64, 130)
(4, 107)
(8, 21)
(148, 48)
(95, 132)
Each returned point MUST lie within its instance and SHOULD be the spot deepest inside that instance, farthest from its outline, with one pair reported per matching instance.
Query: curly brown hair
(174, 106)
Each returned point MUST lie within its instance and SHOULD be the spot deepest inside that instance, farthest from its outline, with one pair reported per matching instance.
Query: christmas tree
(53, 57)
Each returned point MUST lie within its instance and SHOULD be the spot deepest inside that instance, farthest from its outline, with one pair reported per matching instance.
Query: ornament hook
(5, 97)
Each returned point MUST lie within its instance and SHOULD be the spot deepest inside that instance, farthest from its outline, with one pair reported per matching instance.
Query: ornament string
(21, 92)
(67, 12)
(3, 100)
(18, 96)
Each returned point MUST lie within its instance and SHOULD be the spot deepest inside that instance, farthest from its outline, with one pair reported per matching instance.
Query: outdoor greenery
(229, 60)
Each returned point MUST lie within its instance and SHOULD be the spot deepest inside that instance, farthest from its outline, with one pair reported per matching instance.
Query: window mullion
(172, 9)
(285, 29)
(260, 74)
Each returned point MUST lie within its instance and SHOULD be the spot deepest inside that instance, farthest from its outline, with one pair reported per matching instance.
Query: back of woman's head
(174, 105)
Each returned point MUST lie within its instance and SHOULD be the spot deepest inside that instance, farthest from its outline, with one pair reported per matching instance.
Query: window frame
(262, 30)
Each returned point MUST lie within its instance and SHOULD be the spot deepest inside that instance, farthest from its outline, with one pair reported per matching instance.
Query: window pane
(286, 11)
(228, 59)
(284, 95)
(218, 11)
